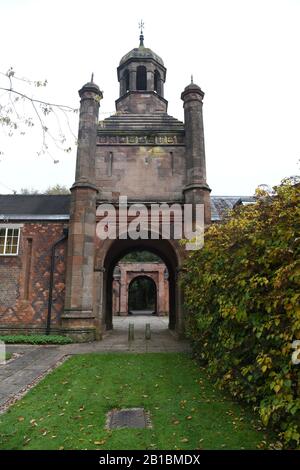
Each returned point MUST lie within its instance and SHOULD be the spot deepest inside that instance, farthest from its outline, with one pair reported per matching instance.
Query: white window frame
(7, 227)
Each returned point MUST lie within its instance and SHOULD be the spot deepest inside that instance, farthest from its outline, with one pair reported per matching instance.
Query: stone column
(122, 86)
(161, 87)
(196, 190)
(150, 80)
(78, 319)
(132, 79)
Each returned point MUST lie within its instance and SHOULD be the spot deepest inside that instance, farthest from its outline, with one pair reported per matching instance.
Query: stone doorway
(142, 296)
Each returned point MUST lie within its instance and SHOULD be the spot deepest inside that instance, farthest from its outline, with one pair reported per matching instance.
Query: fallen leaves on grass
(100, 443)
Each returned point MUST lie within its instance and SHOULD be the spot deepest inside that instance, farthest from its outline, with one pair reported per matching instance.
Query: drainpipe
(64, 237)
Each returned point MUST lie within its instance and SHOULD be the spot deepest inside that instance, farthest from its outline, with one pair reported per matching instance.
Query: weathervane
(141, 26)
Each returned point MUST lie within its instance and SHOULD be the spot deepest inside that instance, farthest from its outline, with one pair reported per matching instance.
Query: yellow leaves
(184, 439)
(276, 385)
(21, 418)
(265, 362)
(227, 376)
(100, 443)
(182, 404)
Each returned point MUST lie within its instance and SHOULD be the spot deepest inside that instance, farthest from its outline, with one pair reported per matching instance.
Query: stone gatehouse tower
(140, 152)
(56, 275)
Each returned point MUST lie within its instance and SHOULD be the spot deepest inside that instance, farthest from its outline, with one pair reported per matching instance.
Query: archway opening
(120, 252)
(142, 296)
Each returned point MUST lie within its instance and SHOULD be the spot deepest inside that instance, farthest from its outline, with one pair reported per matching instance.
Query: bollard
(131, 332)
(148, 331)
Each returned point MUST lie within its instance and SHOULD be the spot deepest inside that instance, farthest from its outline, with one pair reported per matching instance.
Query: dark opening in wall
(141, 78)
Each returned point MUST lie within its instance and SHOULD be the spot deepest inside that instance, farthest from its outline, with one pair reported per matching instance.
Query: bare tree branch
(16, 121)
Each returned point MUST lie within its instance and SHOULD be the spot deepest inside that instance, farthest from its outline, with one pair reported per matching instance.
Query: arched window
(141, 78)
(157, 86)
(126, 80)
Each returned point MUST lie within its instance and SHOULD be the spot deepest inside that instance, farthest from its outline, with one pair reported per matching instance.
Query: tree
(57, 189)
(141, 257)
(27, 191)
(242, 295)
(20, 110)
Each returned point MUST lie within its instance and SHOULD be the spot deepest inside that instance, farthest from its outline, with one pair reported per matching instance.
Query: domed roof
(192, 86)
(141, 52)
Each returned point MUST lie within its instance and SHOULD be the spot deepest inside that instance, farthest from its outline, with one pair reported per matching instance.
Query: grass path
(67, 409)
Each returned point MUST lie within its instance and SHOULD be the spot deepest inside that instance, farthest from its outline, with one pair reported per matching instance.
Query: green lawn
(67, 409)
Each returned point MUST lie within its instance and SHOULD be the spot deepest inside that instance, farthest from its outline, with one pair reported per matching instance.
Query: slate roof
(57, 207)
(34, 206)
(220, 205)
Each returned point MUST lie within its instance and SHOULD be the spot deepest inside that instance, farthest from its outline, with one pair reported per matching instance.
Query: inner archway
(167, 250)
(142, 296)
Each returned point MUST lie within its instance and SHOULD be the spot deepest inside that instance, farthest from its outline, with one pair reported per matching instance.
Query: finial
(141, 26)
(92, 78)
(192, 79)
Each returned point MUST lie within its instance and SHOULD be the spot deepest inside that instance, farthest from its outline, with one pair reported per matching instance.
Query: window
(141, 78)
(9, 240)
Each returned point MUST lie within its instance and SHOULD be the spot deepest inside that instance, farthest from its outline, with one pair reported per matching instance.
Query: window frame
(7, 227)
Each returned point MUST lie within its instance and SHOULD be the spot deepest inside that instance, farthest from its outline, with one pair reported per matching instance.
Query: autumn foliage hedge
(242, 293)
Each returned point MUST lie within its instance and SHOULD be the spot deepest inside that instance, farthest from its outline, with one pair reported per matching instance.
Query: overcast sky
(243, 53)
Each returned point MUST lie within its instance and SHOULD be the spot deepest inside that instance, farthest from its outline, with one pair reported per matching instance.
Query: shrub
(35, 339)
(242, 297)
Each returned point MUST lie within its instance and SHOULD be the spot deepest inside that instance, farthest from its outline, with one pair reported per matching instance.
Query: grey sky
(244, 55)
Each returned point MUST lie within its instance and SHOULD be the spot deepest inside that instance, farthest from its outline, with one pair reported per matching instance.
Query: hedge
(35, 339)
(242, 293)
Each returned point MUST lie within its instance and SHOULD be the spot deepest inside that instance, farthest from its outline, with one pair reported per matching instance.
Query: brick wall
(24, 279)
